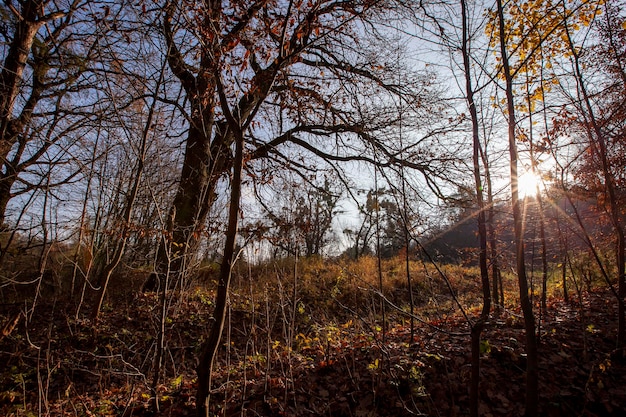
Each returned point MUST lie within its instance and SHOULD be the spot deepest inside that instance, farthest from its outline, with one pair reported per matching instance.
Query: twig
(10, 325)
(419, 319)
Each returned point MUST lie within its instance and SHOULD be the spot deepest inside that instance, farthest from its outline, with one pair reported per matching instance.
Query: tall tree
(528, 36)
(532, 368)
(261, 79)
(478, 326)
(45, 56)
(210, 346)
(294, 64)
(600, 126)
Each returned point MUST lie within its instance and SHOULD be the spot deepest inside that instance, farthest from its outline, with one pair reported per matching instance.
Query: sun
(528, 184)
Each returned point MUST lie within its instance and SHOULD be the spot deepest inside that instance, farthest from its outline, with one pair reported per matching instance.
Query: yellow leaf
(176, 382)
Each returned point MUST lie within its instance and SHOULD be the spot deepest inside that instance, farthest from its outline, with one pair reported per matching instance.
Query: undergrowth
(303, 337)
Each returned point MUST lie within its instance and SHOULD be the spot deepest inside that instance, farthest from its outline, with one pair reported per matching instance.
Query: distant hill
(457, 241)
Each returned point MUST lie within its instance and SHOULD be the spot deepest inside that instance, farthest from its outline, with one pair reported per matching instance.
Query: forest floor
(58, 365)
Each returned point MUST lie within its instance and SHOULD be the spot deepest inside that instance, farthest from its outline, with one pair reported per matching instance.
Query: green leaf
(485, 347)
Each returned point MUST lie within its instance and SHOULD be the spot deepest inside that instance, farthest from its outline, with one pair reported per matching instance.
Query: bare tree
(44, 61)
(532, 368)
(298, 65)
(478, 326)
(593, 127)
(297, 213)
(298, 68)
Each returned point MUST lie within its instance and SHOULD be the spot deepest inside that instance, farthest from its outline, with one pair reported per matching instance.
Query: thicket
(304, 336)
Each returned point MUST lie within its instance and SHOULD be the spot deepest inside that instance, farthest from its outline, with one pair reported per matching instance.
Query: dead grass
(302, 338)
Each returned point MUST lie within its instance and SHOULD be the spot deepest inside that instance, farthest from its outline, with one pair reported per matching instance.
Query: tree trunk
(599, 147)
(477, 327)
(13, 68)
(5, 197)
(211, 345)
(29, 23)
(539, 207)
(189, 208)
(491, 238)
(202, 163)
(532, 380)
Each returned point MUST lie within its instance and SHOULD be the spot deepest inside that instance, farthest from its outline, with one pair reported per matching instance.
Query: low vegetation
(306, 337)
